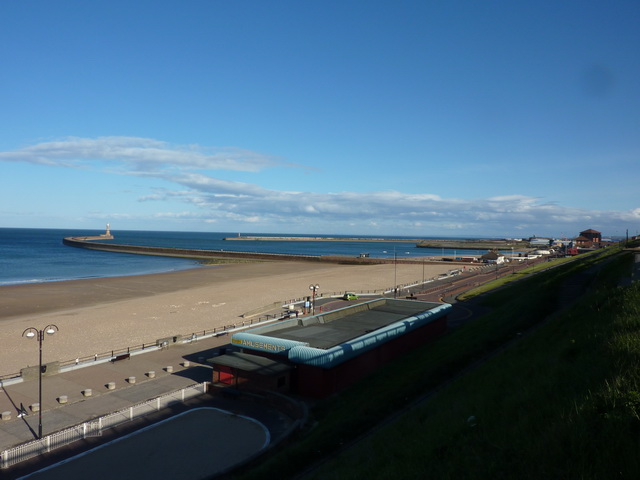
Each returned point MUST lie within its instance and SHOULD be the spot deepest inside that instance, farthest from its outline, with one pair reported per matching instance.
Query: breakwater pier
(480, 244)
(104, 236)
(213, 256)
(283, 238)
(459, 244)
(230, 256)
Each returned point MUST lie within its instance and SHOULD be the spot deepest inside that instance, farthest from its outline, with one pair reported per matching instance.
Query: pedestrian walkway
(99, 388)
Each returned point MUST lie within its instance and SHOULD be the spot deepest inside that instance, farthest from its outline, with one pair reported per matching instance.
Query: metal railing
(95, 427)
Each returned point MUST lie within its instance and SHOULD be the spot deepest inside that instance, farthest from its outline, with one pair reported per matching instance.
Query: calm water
(38, 255)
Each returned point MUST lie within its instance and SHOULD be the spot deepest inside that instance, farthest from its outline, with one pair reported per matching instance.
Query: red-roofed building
(588, 239)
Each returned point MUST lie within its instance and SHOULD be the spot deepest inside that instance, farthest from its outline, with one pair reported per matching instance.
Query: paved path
(183, 447)
(97, 375)
(103, 401)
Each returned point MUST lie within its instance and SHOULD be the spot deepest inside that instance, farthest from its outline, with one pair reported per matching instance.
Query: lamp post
(39, 335)
(395, 272)
(314, 288)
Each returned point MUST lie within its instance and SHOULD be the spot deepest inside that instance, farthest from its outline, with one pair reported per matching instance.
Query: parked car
(350, 296)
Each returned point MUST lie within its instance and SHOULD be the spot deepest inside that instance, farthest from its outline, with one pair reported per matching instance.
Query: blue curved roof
(346, 333)
(341, 353)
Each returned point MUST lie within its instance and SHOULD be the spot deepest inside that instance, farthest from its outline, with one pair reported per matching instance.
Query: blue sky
(494, 118)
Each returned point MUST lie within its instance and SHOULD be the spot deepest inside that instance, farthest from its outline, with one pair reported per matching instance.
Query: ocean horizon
(37, 255)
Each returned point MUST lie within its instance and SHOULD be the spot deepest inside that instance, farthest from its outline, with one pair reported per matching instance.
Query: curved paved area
(103, 401)
(192, 445)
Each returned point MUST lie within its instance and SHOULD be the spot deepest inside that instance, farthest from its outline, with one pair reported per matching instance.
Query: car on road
(349, 296)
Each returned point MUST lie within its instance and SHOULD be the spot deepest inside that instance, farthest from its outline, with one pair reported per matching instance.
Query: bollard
(111, 386)
(35, 407)
(186, 364)
(6, 415)
(151, 374)
(169, 369)
(62, 399)
(87, 392)
(131, 380)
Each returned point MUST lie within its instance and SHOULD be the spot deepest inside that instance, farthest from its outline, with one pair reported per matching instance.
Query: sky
(415, 118)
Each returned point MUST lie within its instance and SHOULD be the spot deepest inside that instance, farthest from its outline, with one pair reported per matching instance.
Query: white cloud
(209, 199)
(238, 202)
(139, 154)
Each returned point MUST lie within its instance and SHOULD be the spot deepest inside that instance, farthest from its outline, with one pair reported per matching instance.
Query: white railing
(95, 427)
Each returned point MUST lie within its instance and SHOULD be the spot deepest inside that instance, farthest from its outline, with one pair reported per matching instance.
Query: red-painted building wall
(318, 382)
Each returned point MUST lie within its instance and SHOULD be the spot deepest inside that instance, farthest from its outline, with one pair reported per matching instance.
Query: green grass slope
(561, 401)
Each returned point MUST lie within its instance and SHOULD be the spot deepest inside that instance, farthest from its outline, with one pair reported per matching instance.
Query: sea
(36, 255)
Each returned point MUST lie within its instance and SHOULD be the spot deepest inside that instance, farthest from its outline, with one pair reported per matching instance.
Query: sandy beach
(98, 315)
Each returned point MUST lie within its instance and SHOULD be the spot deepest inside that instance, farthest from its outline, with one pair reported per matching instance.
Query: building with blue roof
(322, 354)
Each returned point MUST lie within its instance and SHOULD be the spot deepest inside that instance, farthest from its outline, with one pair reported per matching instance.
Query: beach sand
(100, 315)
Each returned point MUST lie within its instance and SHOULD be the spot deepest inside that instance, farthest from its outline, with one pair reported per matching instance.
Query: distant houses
(493, 256)
(536, 247)
(588, 239)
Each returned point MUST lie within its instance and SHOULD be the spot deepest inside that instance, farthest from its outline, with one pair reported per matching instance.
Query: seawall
(319, 239)
(473, 244)
(88, 243)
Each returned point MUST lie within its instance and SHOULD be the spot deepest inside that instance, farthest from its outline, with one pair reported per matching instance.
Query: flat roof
(250, 363)
(353, 324)
(326, 330)
(330, 338)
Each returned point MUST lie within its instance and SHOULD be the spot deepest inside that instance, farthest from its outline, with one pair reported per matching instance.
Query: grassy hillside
(561, 402)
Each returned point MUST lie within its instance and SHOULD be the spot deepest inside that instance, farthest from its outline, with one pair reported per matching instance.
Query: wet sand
(99, 315)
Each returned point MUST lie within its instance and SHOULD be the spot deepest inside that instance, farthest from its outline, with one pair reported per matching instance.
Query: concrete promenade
(96, 376)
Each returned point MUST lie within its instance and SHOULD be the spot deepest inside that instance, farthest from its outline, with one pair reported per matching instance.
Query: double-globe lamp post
(32, 332)
(314, 289)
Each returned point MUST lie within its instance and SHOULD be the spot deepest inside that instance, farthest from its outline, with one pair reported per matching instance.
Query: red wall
(319, 382)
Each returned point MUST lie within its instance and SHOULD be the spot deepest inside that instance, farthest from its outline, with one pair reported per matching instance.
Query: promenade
(97, 376)
(173, 368)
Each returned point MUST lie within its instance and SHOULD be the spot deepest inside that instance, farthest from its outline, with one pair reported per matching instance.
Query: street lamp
(39, 335)
(314, 289)
(395, 272)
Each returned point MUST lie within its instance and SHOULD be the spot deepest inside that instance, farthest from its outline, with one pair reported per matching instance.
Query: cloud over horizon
(203, 197)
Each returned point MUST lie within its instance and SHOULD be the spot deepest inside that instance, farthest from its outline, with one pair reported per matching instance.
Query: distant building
(592, 235)
(493, 256)
(540, 242)
(588, 239)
